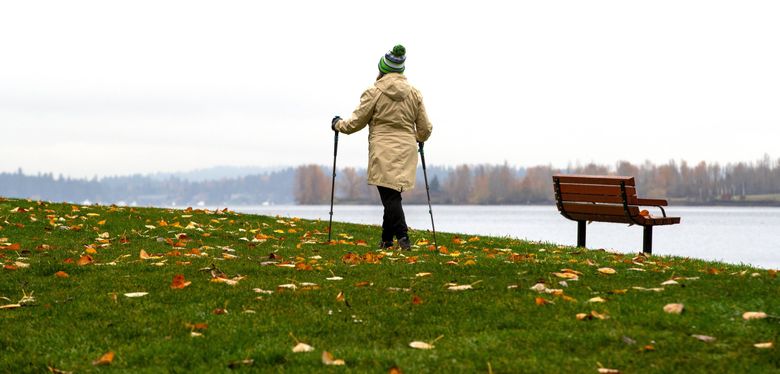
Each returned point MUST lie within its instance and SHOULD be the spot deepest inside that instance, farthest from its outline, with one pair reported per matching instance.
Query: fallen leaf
(597, 299)
(747, 316)
(608, 371)
(61, 274)
(136, 294)
(543, 301)
(766, 345)
(461, 287)
(179, 282)
(302, 347)
(608, 271)
(674, 308)
(85, 260)
(105, 359)
(704, 338)
(416, 300)
(145, 256)
(420, 345)
(670, 282)
(327, 359)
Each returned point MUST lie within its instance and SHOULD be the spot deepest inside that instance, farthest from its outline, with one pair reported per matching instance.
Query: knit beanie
(393, 61)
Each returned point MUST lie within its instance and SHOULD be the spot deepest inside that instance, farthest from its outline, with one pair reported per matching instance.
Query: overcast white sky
(118, 87)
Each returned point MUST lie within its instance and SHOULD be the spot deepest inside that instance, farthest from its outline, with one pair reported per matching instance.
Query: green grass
(495, 326)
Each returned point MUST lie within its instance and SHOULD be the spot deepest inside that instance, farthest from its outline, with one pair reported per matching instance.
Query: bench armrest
(652, 202)
(660, 203)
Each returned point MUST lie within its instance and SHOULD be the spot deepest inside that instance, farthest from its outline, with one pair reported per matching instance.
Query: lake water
(736, 235)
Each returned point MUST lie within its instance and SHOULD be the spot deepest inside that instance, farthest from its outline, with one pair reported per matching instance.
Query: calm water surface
(735, 235)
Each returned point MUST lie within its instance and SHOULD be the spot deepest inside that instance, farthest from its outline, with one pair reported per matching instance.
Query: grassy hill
(96, 288)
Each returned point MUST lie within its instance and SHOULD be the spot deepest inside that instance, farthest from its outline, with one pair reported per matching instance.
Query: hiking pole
(428, 192)
(333, 183)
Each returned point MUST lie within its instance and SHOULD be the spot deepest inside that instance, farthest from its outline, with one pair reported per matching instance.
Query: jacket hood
(394, 86)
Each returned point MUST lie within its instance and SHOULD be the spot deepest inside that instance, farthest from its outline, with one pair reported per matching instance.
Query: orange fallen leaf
(179, 282)
(416, 300)
(61, 274)
(85, 260)
(105, 359)
(14, 247)
(543, 301)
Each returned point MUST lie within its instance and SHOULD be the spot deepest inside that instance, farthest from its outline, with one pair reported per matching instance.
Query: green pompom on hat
(393, 60)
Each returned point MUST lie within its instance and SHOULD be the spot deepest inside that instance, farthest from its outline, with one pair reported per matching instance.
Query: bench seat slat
(598, 218)
(600, 209)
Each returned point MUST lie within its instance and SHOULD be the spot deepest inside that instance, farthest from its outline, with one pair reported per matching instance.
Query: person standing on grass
(396, 118)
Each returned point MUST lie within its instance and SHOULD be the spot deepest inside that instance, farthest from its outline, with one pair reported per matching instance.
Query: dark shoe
(405, 244)
(385, 245)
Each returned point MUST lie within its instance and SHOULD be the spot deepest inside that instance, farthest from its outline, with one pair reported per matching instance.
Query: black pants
(393, 221)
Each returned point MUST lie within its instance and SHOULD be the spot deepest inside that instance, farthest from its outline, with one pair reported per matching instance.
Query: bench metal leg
(647, 246)
(581, 233)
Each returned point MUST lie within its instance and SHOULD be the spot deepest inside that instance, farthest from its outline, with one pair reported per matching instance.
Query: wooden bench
(586, 198)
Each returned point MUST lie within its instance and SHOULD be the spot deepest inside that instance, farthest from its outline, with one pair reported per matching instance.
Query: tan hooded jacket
(396, 119)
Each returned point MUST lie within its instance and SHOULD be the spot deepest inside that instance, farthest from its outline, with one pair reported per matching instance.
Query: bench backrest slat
(595, 179)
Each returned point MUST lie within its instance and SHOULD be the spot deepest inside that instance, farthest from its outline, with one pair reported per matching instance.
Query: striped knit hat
(393, 61)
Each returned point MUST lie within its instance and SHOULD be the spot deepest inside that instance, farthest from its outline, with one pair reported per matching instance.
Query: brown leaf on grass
(608, 371)
(179, 282)
(674, 308)
(416, 300)
(85, 260)
(105, 359)
(766, 345)
(351, 259)
(363, 284)
(747, 316)
(61, 274)
(328, 359)
(394, 370)
(14, 247)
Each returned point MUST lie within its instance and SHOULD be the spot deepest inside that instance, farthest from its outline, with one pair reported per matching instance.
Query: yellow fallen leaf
(608, 271)
(597, 299)
(571, 276)
(608, 371)
(424, 274)
(747, 316)
(674, 308)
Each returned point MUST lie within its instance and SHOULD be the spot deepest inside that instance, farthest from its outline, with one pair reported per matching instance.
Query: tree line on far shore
(743, 183)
